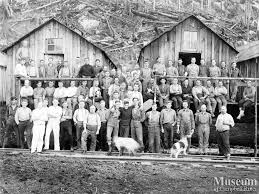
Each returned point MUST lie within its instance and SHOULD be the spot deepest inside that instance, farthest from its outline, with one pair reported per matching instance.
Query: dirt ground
(26, 173)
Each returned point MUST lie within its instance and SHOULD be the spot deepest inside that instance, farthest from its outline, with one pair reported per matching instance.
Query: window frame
(57, 42)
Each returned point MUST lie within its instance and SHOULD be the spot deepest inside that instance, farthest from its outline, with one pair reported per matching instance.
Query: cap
(168, 101)
(13, 98)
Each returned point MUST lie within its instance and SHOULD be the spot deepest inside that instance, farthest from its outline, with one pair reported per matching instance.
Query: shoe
(228, 156)
(109, 151)
(71, 149)
(84, 151)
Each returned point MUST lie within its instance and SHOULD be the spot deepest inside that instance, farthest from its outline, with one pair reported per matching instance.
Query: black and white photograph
(129, 96)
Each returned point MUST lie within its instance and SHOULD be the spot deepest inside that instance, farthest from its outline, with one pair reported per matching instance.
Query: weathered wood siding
(250, 68)
(3, 78)
(170, 44)
(73, 46)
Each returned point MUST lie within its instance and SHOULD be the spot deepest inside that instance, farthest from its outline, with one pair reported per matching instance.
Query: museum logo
(223, 184)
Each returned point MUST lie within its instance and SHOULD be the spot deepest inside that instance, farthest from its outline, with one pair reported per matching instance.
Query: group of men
(113, 104)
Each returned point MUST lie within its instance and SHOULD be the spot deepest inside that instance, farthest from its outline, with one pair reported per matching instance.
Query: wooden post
(256, 114)
(19, 89)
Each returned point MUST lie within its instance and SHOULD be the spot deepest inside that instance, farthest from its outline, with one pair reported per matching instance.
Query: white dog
(180, 146)
(129, 144)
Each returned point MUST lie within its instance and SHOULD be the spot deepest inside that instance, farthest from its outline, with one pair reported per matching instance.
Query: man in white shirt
(79, 118)
(20, 69)
(60, 93)
(72, 94)
(39, 117)
(92, 126)
(223, 124)
(27, 92)
(54, 116)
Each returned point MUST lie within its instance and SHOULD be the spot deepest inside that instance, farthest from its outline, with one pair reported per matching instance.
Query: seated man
(60, 93)
(151, 90)
(221, 93)
(211, 97)
(200, 94)
(176, 94)
(164, 92)
(186, 91)
(247, 100)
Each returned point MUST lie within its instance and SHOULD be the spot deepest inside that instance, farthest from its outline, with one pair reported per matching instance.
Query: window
(190, 40)
(54, 45)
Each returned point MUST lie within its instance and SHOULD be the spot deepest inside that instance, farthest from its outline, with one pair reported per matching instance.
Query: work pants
(168, 135)
(137, 132)
(112, 130)
(124, 128)
(154, 138)
(221, 100)
(79, 129)
(203, 136)
(10, 127)
(101, 137)
(223, 142)
(53, 125)
(90, 131)
(66, 126)
(38, 131)
(24, 126)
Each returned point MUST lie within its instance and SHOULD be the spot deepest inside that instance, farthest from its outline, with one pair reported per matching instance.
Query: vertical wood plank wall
(73, 46)
(209, 44)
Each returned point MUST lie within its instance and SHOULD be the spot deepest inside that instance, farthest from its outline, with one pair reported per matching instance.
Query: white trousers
(52, 125)
(38, 131)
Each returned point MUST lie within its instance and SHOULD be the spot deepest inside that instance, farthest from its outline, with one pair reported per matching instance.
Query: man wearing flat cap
(10, 124)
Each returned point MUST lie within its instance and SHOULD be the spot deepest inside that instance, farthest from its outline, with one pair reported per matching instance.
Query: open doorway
(186, 57)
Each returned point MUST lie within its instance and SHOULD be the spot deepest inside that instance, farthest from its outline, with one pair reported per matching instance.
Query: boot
(110, 150)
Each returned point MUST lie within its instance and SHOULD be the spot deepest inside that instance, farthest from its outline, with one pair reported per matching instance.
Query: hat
(126, 101)
(168, 101)
(13, 98)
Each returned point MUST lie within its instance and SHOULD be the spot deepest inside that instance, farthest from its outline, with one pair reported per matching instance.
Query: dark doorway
(186, 57)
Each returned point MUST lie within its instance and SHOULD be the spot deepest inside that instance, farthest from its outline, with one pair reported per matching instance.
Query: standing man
(10, 122)
(49, 92)
(203, 71)
(66, 126)
(79, 117)
(113, 124)
(181, 70)
(51, 70)
(234, 72)
(103, 114)
(64, 72)
(138, 116)
(223, 124)
(92, 127)
(154, 123)
(22, 119)
(176, 94)
(159, 67)
(87, 71)
(214, 71)
(171, 71)
(225, 73)
(145, 75)
(54, 115)
(42, 70)
(125, 119)
(39, 117)
(185, 123)
(203, 121)
(192, 70)
(97, 67)
(105, 85)
(168, 121)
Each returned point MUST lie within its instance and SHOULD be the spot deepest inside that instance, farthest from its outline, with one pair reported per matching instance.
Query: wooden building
(56, 40)
(188, 38)
(3, 78)
(248, 61)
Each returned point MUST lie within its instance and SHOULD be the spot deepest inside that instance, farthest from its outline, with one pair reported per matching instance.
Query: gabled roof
(191, 16)
(44, 24)
(249, 51)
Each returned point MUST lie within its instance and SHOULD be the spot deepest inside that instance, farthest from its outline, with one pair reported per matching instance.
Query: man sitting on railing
(247, 100)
